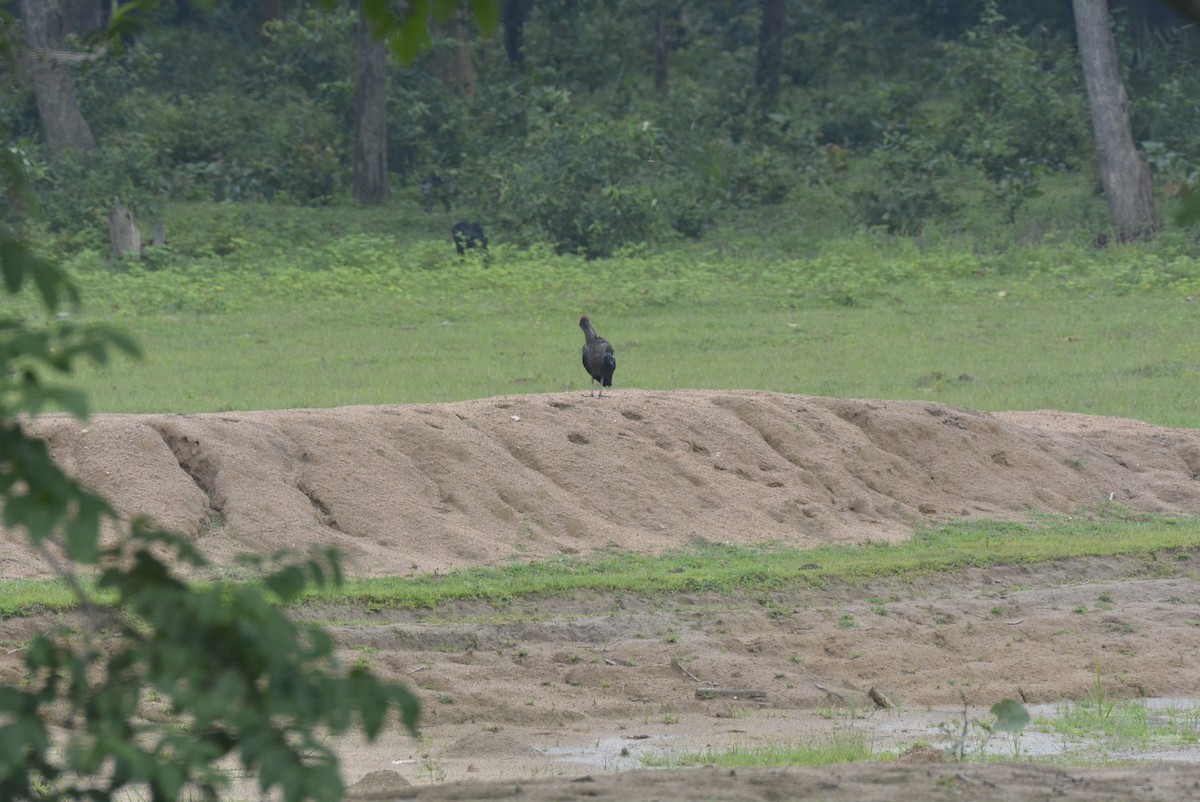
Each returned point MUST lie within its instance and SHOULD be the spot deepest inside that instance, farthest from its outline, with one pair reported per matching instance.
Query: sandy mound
(418, 488)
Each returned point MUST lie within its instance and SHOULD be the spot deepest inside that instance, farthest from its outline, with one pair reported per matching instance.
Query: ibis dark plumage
(598, 358)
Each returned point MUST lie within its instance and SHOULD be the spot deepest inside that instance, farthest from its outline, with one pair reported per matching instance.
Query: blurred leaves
(1011, 716)
(1189, 211)
(227, 671)
(407, 31)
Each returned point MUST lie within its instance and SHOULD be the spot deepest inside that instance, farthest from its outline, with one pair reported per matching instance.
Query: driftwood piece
(690, 675)
(712, 693)
(829, 691)
(123, 232)
(881, 701)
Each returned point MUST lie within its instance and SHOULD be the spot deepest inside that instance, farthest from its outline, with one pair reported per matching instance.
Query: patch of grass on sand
(709, 567)
(840, 747)
(18, 596)
(1101, 728)
(721, 568)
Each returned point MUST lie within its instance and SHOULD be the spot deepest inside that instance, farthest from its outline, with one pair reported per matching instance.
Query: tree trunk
(1124, 174)
(63, 126)
(513, 12)
(123, 232)
(659, 29)
(270, 10)
(86, 16)
(1152, 15)
(464, 68)
(770, 50)
(185, 12)
(370, 118)
(1190, 9)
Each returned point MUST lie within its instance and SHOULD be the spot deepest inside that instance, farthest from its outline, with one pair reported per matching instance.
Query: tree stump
(160, 235)
(123, 232)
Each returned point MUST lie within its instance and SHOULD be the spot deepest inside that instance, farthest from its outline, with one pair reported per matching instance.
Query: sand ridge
(432, 487)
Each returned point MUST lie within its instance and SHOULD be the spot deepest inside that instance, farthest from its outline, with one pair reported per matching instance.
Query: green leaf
(410, 708)
(124, 21)
(410, 41)
(1189, 211)
(15, 261)
(442, 11)
(120, 340)
(10, 698)
(1010, 716)
(68, 398)
(286, 583)
(24, 736)
(83, 529)
(53, 284)
(370, 700)
(486, 14)
(36, 515)
(168, 779)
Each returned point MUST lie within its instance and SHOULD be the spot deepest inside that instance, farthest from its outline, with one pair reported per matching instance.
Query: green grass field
(1132, 357)
(308, 318)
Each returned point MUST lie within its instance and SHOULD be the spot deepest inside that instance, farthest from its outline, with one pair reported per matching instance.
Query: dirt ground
(566, 698)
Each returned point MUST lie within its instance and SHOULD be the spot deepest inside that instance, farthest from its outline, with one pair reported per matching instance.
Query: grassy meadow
(325, 308)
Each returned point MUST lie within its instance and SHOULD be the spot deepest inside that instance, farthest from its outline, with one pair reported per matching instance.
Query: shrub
(906, 188)
(1017, 109)
(76, 191)
(585, 187)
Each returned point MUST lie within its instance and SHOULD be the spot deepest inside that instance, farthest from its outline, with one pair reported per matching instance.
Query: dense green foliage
(176, 677)
(901, 116)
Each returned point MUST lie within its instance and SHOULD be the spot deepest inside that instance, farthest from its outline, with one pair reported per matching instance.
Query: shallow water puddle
(1171, 732)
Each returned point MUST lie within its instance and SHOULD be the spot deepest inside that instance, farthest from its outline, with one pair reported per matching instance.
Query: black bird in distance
(598, 358)
(467, 234)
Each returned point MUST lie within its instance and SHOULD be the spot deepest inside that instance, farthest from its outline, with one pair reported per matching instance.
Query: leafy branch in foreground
(175, 678)
(150, 692)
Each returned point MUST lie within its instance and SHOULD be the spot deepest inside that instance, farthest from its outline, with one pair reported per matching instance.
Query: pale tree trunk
(464, 68)
(770, 50)
(456, 66)
(370, 118)
(63, 126)
(123, 232)
(1124, 174)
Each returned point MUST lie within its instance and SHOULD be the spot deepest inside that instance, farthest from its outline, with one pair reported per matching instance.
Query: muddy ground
(557, 689)
(565, 698)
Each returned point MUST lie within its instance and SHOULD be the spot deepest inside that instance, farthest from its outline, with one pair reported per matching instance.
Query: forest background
(593, 127)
